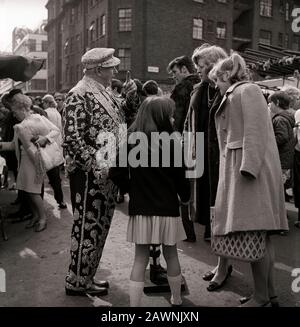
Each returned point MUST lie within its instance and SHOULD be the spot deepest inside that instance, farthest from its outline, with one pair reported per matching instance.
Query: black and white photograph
(150, 157)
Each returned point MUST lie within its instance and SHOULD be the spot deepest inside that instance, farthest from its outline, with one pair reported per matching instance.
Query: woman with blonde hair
(197, 121)
(205, 100)
(32, 130)
(250, 194)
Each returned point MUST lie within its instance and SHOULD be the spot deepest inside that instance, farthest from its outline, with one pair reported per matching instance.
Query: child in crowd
(153, 192)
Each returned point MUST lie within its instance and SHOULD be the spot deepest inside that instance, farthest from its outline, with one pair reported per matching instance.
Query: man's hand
(129, 85)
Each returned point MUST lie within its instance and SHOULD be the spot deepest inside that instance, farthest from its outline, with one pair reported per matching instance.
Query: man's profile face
(178, 74)
(107, 75)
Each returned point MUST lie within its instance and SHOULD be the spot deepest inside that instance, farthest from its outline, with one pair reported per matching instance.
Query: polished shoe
(273, 300)
(31, 223)
(190, 239)
(62, 205)
(18, 218)
(40, 226)
(255, 304)
(101, 283)
(208, 276)
(93, 290)
(213, 286)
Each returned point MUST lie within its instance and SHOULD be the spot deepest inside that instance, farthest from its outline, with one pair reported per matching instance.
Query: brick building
(264, 22)
(147, 34)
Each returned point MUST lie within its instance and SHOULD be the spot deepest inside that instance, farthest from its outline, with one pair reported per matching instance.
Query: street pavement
(36, 263)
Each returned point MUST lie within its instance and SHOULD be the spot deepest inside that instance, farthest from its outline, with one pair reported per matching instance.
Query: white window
(124, 55)
(198, 28)
(221, 30)
(265, 8)
(265, 37)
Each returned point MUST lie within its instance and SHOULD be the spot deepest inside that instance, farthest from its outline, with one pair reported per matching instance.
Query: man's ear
(184, 70)
(98, 71)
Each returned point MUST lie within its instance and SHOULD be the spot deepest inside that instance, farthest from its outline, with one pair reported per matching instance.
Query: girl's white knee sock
(175, 286)
(136, 290)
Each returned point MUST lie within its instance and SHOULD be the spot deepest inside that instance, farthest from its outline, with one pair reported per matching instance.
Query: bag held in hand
(50, 156)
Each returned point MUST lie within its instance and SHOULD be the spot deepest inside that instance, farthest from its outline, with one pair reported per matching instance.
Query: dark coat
(213, 150)
(153, 191)
(283, 124)
(181, 95)
(199, 112)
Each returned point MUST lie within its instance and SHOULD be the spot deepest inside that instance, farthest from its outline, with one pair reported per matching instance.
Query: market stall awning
(19, 68)
(272, 61)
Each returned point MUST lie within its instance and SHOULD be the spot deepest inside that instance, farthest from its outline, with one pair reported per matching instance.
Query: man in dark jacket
(183, 72)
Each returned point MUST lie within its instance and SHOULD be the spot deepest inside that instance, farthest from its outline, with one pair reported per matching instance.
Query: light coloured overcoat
(247, 145)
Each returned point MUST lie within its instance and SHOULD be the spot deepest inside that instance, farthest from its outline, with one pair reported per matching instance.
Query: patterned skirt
(155, 230)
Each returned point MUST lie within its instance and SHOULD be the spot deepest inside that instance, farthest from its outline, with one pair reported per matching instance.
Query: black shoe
(273, 300)
(208, 276)
(93, 290)
(62, 205)
(101, 283)
(190, 239)
(213, 286)
(158, 275)
(15, 218)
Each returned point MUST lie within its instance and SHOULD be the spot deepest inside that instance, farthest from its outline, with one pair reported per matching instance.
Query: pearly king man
(91, 113)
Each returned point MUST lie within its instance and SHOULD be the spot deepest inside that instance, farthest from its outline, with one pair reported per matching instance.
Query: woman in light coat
(250, 194)
(33, 129)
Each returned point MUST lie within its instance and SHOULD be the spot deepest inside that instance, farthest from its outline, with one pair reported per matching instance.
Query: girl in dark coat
(153, 192)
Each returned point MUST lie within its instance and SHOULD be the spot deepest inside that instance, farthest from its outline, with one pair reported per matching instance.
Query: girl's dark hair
(154, 116)
(281, 99)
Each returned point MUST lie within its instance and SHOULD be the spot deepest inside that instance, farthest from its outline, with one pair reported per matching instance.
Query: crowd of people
(251, 165)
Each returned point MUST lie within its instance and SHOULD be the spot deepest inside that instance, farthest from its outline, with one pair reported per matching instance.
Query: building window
(198, 28)
(265, 37)
(92, 30)
(281, 6)
(44, 45)
(102, 25)
(93, 3)
(296, 43)
(265, 8)
(31, 45)
(280, 39)
(210, 26)
(221, 30)
(72, 15)
(287, 11)
(125, 57)
(125, 20)
(286, 41)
